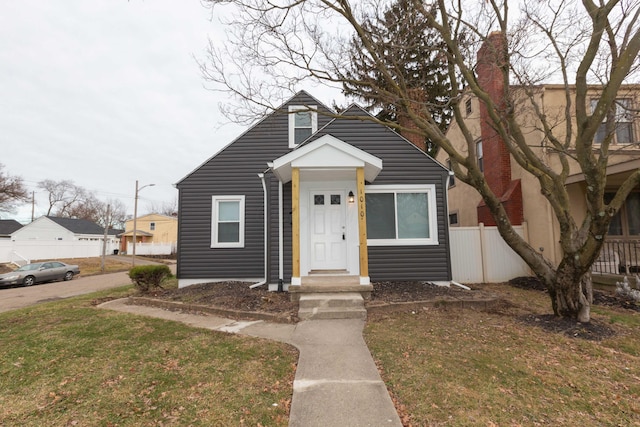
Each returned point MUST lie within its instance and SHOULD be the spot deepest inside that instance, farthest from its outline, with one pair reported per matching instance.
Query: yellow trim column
(362, 227)
(295, 232)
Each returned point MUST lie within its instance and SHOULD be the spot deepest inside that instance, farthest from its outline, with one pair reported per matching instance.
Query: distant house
(151, 228)
(51, 237)
(7, 227)
(304, 194)
(63, 229)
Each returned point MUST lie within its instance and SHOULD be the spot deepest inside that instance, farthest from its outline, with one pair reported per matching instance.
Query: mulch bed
(594, 330)
(414, 291)
(238, 296)
(231, 295)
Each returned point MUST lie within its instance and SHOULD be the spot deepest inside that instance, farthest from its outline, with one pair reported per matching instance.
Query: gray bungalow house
(302, 194)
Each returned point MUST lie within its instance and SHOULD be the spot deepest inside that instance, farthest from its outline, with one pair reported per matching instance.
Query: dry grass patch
(470, 368)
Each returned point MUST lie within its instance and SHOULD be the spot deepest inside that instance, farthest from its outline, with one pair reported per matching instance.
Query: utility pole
(33, 204)
(104, 240)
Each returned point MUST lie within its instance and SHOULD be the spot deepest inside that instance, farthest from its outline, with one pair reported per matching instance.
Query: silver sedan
(39, 272)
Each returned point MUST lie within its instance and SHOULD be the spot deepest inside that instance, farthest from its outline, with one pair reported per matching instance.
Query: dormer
(303, 122)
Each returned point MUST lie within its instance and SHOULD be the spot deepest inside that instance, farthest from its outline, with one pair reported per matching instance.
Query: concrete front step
(343, 305)
(331, 300)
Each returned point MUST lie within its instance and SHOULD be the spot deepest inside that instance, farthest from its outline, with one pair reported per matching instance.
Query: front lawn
(68, 363)
(505, 368)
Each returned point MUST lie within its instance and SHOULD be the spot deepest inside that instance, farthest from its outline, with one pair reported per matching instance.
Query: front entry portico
(329, 229)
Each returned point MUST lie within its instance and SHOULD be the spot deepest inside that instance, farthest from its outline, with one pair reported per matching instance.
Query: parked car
(39, 272)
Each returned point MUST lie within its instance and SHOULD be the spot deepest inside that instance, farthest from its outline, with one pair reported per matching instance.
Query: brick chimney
(492, 58)
(417, 98)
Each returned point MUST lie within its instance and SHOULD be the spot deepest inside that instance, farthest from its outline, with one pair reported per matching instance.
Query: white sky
(104, 92)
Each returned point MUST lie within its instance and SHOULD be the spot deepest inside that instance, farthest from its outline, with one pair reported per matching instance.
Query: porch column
(362, 228)
(296, 280)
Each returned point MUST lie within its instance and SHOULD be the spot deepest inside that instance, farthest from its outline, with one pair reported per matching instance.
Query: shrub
(146, 277)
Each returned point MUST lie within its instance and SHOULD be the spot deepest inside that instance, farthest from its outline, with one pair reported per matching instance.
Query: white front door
(328, 228)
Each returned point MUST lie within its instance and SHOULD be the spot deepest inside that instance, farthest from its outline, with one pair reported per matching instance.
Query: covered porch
(620, 254)
(328, 215)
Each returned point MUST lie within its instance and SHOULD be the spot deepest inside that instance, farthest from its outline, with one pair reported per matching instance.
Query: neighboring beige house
(151, 228)
(520, 191)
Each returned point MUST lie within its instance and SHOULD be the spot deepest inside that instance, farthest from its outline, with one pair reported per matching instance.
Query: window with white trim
(227, 222)
(303, 122)
(623, 123)
(152, 226)
(401, 215)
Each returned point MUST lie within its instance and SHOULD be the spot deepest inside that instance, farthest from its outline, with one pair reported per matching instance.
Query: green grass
(68, 363)
(473, 368)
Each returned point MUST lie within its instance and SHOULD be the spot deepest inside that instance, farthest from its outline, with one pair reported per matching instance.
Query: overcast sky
(104, 92)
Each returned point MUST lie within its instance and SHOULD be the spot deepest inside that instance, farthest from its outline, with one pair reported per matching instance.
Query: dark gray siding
(402, 163)
(234, 171)
(274, 230)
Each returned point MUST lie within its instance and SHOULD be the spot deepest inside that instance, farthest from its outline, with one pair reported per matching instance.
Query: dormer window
(303, 121)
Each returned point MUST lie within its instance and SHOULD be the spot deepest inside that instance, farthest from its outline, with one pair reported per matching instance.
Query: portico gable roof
(327, 153)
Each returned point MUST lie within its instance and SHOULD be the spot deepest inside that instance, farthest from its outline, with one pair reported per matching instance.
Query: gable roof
(80, 226)
(357, 113)
(279, 110)
(8, 226)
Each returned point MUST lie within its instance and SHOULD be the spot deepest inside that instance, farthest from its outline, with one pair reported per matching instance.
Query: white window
(303, 121)
(401, 215)
(227, 222)
(152, 226)
(623, 126)
(480, 155)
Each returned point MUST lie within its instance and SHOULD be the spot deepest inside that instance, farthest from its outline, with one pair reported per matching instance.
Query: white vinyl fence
(28, 250)
(152, 248)
(480, 255)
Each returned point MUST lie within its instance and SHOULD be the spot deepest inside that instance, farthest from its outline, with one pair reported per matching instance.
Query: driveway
(13, 298)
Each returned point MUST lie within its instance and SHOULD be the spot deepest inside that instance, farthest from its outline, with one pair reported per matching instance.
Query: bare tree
(164, 208)
(63, 196)
(69, 200)
(275, 47)
(117, 217)
(12, 191)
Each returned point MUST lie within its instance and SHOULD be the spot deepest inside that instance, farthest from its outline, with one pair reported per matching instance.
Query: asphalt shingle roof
(80, 226)
(8, 226)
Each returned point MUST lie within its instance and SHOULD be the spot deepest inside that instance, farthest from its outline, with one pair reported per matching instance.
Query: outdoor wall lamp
(352, 198)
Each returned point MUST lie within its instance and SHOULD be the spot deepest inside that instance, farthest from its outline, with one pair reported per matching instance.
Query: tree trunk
(571, 293)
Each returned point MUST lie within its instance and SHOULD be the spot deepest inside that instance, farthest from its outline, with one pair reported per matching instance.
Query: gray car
(39, 272)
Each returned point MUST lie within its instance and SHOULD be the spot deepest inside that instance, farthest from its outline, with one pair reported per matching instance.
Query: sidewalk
(336, 382)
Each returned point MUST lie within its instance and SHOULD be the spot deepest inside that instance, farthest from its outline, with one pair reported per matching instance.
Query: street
(13, 298)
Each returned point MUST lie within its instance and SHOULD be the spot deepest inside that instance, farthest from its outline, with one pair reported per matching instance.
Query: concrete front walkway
(336, 382)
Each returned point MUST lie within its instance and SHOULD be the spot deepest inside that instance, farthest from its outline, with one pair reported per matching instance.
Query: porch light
(352, 198)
